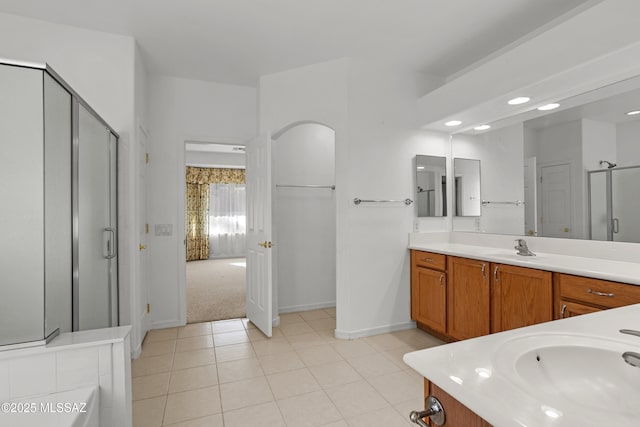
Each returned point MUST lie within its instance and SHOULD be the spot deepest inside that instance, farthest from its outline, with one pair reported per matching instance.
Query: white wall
(101, 69)
(180, 110)
(208, 159)
(304, 218)
(628, 144)
(373, 111)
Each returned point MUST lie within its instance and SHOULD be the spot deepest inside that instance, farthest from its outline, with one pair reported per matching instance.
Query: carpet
(216, 290)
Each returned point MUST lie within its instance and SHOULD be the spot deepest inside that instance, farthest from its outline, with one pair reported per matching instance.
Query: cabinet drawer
(598, 292)
(429, 260)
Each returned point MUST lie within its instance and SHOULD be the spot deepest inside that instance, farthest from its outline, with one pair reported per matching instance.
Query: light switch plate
(163, 229)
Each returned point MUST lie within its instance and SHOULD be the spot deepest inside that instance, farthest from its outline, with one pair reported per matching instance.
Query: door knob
(143, 246)
(265, 244)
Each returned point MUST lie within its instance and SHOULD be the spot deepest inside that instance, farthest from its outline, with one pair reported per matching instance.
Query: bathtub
(74, 408)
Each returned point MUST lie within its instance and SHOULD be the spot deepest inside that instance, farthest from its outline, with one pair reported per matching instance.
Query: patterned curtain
(215, 175)
(197, 221)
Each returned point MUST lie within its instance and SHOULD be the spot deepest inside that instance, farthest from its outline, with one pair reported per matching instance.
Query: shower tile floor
(227, 373)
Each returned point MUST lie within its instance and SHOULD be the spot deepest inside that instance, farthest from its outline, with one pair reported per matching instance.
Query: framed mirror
(567, 171)
(466, 187)
(431, 182)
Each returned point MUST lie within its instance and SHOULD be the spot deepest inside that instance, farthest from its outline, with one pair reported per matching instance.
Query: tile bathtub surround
(228, 374)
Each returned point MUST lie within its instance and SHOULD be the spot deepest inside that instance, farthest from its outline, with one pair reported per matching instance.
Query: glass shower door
(625, 195)
(94, 302)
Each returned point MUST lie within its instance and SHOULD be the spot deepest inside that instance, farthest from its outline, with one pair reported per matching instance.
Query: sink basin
(577, 370)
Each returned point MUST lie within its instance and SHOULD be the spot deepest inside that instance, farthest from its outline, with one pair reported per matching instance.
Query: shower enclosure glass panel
(94, 301)
(614, 200)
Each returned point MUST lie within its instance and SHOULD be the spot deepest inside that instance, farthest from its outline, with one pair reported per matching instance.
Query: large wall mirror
(431, 182)
(466, 187)
(569, 172)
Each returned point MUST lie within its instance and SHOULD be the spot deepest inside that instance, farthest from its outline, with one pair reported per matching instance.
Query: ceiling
(236, 41)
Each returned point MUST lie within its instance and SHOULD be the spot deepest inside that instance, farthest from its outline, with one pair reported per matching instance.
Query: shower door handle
(616, 225)
(109, 236)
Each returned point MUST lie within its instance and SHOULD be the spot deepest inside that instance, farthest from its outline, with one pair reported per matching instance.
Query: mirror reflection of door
(555, 200)
(431, 180)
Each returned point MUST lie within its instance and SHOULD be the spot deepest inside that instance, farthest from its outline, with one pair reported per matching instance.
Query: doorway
(215, 218)
(556, 200)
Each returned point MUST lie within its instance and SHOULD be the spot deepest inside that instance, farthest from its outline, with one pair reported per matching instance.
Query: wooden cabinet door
(521, 297)
(429, 298)
(571, 309)
(468, 293)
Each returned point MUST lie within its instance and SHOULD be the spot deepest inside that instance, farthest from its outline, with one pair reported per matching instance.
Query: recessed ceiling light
(482, 127)
(548, 107)
(519, 100)
(453, 123)
(633, 113)
(420, 168)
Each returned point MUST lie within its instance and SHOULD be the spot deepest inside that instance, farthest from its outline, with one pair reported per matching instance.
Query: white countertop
(480, 373)
(617, 271)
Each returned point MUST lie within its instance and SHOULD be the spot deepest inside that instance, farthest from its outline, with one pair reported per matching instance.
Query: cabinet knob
(142, 247)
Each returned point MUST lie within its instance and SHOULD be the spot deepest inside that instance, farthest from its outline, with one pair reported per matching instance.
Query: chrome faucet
(522, 248)
(631, 357)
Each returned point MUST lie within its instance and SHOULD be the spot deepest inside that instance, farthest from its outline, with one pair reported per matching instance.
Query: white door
(143, 231)
(530, 213)
(259, 254)
(555, 189)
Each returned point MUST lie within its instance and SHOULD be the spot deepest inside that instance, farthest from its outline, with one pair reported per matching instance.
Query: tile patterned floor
(228, 374)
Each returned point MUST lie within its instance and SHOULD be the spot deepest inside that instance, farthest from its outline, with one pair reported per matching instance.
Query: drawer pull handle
(441, 277)
(495, 274)
(601, 294)
(484, 270)
(564, 310)
(427, 259)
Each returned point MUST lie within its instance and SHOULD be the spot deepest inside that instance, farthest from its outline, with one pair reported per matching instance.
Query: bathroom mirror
(569, 172)
(431, 182)
(466, 187)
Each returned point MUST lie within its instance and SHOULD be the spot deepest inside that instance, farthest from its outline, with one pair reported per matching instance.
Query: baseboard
(352, 335)
(166, 324)
(306, 307)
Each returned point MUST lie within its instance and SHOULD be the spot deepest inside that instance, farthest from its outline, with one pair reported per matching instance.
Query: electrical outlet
(163, 229)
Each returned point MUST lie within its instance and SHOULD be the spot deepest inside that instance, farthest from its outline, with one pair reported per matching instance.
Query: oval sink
(581, 370)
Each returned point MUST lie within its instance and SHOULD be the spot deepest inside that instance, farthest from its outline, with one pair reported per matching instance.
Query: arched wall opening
(304, 218)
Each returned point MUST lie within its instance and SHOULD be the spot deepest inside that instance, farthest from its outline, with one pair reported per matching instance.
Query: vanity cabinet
(468, 298)
(429, 290)
(457, 415)
(582, 295)
(521, 297)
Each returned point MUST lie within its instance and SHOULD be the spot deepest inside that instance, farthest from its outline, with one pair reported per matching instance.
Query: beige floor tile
(384, 342)
(340, 423)
(230, 338)
(210, 421)
(227, 326)
(268, 414)
(314, 315)
(192, 404)
(330, 336)
(194, 330)
(149, 412)
(239, 370)
(288, 318)
(397, 387)
(417, 339)
(386, 417)
(328, 324)
(309, 410)
(292, 383)
(150, 386)
(272, 346)
(156, 335)
(404, 408)
(319, 355)
(191, 359)
(395, 355)
(151, 365)
(194, 343)
(307, 340)
(373, 365)
(257, 335)
(333, 374)
(158, 348)
(234, 352)
(353, 348)
(274, 363)
(356, 398)
(247, 324)
(330, 311)
(193, 378)
(297, 328)
(240, 394)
